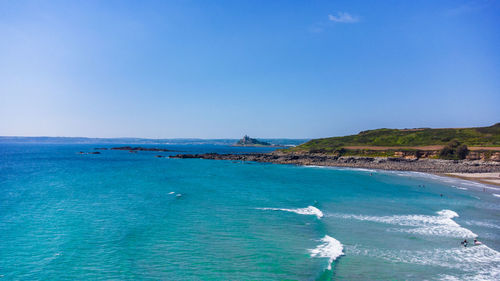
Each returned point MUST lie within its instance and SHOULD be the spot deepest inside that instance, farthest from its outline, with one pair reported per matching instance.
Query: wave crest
(440, 225)
(310, 210)
(331, 248)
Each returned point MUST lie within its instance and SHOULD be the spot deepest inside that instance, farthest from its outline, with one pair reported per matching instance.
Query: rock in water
(248, 141)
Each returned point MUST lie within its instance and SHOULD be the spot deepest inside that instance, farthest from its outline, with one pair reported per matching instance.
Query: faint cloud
(343, 17)
(339, 17)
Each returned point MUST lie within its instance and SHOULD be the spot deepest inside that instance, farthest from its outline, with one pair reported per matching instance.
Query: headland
(469, 153)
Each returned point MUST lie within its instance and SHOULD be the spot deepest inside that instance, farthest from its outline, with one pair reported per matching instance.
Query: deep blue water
(121, 215)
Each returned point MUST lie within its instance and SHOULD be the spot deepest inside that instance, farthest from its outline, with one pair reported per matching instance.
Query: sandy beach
(487, 178)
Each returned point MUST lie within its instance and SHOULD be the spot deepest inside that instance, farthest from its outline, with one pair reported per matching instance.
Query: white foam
(447, 214)
(171, 192)
(310, 210)
(440, 225)
(364, 170)
(341, 168)
(316, 166)
(330, 248)
(496, 195)
(483, 224)
(471, 263)
(456, 182)
(482, 276)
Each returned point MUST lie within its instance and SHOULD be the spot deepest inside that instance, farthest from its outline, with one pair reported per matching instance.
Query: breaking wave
(440, 225)
(330, 248)
(471, 263)
(459, 187)
(310, 210)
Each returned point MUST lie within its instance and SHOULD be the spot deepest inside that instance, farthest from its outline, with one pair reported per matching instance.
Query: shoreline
(485, 172)
(484, 178)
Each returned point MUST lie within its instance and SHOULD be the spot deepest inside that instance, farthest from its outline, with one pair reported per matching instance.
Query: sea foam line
(342, 168)
(330, 248)
(443, 179)
(483, 224)
(471, 263)
(440, 225)
(458, 187)
(310, 210)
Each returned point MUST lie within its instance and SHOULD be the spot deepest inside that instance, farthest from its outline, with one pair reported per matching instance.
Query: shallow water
(120, 215)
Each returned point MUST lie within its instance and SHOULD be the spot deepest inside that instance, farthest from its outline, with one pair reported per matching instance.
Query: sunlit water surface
(121, 215)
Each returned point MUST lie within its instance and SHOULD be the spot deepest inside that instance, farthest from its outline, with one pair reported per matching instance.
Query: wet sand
(487, 178)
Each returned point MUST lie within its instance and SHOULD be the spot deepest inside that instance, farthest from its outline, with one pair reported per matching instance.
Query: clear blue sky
(221, 69)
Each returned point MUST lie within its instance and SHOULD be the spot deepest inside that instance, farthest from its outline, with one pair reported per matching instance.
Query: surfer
(477, 242)
(465, 243)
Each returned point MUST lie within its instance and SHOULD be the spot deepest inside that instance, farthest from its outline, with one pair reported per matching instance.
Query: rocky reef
(92, 152)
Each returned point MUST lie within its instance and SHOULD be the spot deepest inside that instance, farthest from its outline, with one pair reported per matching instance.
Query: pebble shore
(384, 163)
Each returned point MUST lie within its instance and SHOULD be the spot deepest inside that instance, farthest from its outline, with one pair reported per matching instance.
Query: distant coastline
(444, 151)
(276, 142)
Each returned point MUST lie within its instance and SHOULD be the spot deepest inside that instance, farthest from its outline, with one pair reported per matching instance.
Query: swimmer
(464, 243)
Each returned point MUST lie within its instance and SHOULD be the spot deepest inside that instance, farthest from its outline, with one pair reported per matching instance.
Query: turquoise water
(128, 216)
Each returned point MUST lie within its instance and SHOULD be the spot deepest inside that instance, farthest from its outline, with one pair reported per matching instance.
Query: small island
(248, 141)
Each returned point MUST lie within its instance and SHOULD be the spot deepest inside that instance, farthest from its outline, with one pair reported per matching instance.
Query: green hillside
(480, 136)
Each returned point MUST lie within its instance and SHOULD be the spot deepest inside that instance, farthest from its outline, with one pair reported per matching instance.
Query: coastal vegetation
(448, 143)
(454, 150)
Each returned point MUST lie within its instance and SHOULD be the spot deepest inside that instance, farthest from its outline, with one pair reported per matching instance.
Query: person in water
(477, 242)
(465, 243)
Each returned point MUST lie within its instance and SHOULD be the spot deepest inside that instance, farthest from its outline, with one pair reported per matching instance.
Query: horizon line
(198, 138)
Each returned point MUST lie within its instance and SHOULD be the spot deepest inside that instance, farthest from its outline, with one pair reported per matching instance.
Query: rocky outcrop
(92, 152)
(416, 154)
(484, 155)
(248, 141)
(384, 163)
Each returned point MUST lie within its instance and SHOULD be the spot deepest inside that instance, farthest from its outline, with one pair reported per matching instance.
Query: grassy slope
(480, 136)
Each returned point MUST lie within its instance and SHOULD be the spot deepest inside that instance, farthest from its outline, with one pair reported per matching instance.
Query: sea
(66, 215)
